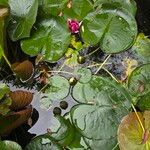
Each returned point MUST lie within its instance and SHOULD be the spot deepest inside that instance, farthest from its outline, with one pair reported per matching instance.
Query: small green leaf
(9, 145)
(84, 74)
(50, 38)
(130, 133)
(4, 3)
(139, 81)
(23, 16)
(57, 89)
(4, 89)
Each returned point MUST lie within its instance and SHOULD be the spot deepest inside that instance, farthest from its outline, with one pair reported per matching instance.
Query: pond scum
(75, 75)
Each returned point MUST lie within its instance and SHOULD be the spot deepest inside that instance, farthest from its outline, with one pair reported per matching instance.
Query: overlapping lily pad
(130, 133)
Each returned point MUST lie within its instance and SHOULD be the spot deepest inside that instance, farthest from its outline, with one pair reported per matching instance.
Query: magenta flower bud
(73, 25)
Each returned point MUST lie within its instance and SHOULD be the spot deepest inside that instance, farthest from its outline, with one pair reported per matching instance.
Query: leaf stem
(60, 72)
(92, 52)
(7, 61)
(102, 64)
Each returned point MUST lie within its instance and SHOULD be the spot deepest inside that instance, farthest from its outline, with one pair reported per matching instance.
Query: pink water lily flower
(73, 25)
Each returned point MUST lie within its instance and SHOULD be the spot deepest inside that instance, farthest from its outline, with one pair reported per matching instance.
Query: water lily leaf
(141, 48)
(139, 81)
(124, 4)
(52, 7)
(57, 89)
(13, 120)
(38, 143)
(95, 122)
(50, 37)
(130, 133)
(20, 99)
(4, 3)
(65, 132)
(101, 144)
(76, 9)
(23, 16)
(84, 74)
(23, 70)
(9, 145)
(143, 102)
(101, 91)
(113, 28)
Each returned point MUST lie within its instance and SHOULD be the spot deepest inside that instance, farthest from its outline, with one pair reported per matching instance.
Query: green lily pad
(9, 145)
(141, 49)
(130, 133)
(84, 74)
(113, 28)
(95, 122)
(50, 37)
(139, 81)
(58, 88)
(101, 91)
(77, 10)
(124, 4)
(144, 102)
(23, 16)
(43, 142)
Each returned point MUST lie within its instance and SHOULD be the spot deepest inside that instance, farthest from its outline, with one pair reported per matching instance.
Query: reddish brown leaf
(23, 70)
(20, 99)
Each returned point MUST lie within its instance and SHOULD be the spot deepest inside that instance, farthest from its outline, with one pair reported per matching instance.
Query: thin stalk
(131, 103)
(92, 52)
(7, 61)
(60, 72)
(95, 65)
(102, 64)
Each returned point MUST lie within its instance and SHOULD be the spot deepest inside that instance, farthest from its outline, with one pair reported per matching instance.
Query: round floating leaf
(124, 4)
(23, 16)
(95, 122)
(141, 48)
(101, 91)
(84, 74)
(130, 133)
(113, 28)
(101, 144)
(9, 145)
(58, 88)
(139, 81)
(50, 37)
(76, 9)
(23, 70)
(65, 131)
(20, 99)
(43, 142)
(144, 102)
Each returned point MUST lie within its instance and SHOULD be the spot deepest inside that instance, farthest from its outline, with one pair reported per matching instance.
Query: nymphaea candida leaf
(50, 37)
(114, 29)
(22, 17)
(139, 81)
(9, 145)
(57, 89)
(131, 135)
